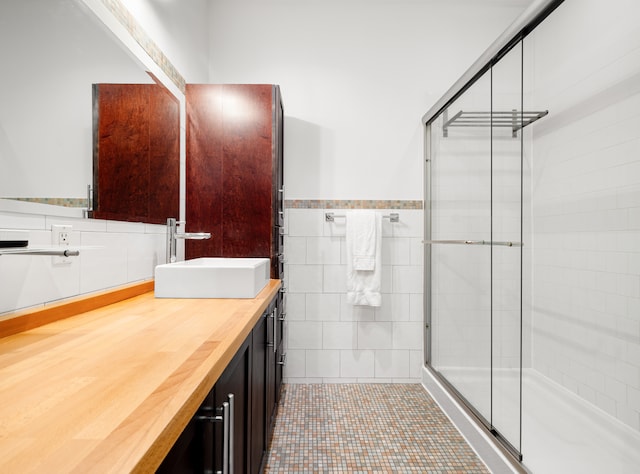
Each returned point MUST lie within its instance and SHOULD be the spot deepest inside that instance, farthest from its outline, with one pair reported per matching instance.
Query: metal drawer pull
(275, 330)
(231, 441)
(283, 359)
(282, 316)
(225, 439)
(227, 433)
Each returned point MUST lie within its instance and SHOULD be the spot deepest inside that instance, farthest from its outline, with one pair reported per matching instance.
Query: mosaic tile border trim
(64, 202)
(351, 204)
(133, 27)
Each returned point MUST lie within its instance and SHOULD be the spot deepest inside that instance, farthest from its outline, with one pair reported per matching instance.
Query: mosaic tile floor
(366, 428)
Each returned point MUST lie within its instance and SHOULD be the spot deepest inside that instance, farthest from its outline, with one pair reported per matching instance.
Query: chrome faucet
(173, 236)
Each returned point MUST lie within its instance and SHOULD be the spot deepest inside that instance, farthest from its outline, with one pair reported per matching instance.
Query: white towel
(364, 258)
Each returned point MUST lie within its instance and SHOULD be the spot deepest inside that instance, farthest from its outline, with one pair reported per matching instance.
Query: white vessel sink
(210, 277)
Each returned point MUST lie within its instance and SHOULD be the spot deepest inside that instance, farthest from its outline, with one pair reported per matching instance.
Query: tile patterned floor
(366, 428)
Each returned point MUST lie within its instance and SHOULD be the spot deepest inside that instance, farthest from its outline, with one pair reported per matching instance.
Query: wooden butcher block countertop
(111, 389)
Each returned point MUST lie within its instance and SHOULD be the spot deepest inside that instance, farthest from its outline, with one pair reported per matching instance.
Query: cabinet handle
(282, 316)
(227, 433)
(225, 438)
(230, 441)
(275, 330)
(283, 359)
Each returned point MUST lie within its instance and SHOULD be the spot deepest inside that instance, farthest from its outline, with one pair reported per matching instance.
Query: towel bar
(330, 216)
(52, 252)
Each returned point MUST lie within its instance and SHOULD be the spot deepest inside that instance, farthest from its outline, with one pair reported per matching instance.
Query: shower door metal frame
(521, 28)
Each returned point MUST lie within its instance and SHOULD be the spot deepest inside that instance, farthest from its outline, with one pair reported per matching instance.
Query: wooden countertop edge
(14, 323)
(200, 372)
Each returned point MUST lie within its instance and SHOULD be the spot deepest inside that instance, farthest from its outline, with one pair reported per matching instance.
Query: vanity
(135, 385)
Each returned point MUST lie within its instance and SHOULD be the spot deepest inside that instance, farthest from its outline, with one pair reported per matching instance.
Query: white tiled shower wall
(586, 204)
(328, 340)
(111, 254)
(586, 328)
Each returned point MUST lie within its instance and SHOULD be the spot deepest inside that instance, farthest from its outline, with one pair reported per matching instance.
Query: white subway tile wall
(111, 254)
(586, 203)
(331, 341)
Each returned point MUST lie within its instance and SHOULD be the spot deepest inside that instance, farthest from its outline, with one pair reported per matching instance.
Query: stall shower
(532, 238)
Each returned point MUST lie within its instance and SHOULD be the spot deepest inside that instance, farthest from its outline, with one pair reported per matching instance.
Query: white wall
(48, 68)
(180, 29)
(111, 254)
(356, 78)
(586, 204)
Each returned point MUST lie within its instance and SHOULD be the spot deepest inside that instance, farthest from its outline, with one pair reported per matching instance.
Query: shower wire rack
(513, 119)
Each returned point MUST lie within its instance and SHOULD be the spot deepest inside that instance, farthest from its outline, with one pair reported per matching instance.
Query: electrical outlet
(61, 237)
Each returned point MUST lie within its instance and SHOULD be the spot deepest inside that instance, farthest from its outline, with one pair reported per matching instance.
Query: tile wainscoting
(330, 341)
(111, 254)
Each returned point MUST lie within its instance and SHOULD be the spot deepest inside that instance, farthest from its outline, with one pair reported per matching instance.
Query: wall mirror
(52, 52)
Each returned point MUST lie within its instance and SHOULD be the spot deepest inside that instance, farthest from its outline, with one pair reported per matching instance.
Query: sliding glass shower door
(460, 187)
(474, 247)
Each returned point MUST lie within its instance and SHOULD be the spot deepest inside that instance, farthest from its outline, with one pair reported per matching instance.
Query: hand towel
(361, 233)
(364, 258)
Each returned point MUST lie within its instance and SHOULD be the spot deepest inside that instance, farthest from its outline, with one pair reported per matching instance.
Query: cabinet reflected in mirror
(136, 153)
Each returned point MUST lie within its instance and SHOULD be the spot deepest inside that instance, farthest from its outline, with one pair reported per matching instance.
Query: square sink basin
(212, 277)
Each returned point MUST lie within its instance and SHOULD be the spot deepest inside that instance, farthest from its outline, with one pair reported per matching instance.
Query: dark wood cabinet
(244, 398)
(234, 186)
(187, 456)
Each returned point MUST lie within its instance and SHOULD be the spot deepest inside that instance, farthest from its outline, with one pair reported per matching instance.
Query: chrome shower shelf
(513, 119)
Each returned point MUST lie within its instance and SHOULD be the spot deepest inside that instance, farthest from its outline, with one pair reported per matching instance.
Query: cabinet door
(247, 170)
(234, 381)
(258, 394)
(270, 370)
(186, 455)
(281, 313)
(229, 169)
(234, 171)
(192, 451)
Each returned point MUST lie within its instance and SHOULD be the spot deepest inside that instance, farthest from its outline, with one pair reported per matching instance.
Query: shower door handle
(505, 243)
